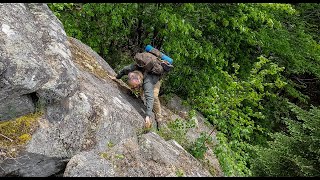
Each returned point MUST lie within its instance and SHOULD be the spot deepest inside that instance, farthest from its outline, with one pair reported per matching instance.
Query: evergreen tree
(295, 152)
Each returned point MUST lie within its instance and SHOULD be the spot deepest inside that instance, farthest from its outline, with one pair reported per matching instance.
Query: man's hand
(113, 78)
(118, 76)
(147, 122)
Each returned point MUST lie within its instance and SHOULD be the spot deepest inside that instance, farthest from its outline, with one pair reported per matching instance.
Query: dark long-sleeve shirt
(149, 80)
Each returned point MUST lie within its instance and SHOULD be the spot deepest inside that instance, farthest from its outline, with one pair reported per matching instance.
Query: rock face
(175, 104)
(146, 156)
(34, 57)
(16, 106)
(88, 117)
(31, 165)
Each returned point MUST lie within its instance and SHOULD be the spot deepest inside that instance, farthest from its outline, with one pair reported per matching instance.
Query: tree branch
(6, 137)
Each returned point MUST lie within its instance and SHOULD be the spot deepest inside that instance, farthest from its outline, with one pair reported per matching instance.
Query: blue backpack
(153, 61)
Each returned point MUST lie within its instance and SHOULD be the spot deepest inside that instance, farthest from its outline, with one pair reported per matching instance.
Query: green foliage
(310, 13)
(237, 112)
(177, 131)
(110, 144)
(199, 147)
(295, 153)
(60, 7)
(119, 156)
(104, 155)
(180, 173)
(233, 156)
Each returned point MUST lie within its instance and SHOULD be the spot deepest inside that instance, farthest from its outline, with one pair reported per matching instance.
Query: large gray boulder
(147, 156)
(34, 57)
(87, 117)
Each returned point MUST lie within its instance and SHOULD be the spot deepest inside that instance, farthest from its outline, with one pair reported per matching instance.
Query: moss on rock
(17, 132)
(86, 61)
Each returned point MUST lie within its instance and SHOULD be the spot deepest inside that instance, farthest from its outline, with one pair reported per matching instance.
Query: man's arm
(126, 70)
(148, 94)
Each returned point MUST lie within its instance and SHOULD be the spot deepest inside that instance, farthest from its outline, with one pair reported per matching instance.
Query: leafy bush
(199, 147)
(177, 131)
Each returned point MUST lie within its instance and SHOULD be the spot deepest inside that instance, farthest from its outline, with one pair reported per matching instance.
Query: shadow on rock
(32, 165)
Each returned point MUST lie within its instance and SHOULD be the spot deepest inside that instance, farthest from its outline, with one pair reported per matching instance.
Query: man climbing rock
(148, 82)
(149, 86)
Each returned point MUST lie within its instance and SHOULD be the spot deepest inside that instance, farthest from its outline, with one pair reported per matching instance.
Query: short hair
(134, 78)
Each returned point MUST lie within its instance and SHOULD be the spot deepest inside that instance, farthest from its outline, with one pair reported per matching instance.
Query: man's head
(135, 79)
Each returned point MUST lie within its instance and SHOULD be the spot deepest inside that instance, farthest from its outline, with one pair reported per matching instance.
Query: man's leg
(156, 104)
